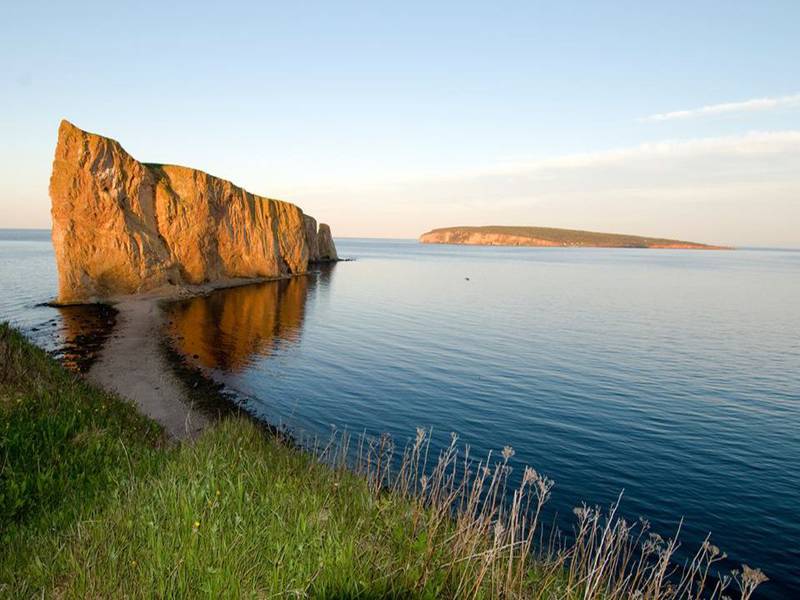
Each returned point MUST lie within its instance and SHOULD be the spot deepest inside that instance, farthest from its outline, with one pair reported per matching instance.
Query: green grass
(238, 514)
(61, 441)
(63, 444)
(95, 504)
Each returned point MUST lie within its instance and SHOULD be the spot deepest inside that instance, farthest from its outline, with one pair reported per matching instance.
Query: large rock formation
(121, 226)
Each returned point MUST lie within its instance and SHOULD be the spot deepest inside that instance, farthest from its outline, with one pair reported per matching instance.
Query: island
(500, 235)
(122, 227)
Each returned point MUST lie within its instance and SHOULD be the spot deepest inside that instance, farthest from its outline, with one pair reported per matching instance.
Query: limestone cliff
(121, 226)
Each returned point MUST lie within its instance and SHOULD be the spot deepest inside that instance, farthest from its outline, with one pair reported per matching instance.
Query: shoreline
(139, 363)
(144, 508)
(132, 365)
(177, 292)
(134, 357)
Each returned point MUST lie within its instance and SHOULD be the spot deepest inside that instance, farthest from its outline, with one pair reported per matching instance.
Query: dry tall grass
(92, 505)
(491, 542)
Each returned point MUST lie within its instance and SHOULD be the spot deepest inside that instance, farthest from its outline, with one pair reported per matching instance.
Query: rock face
(325, 245)
(477, 238)
(498, 235)
(320, 242)
(121, 226)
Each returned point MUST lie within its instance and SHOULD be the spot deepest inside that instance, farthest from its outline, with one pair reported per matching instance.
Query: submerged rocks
(122, 227)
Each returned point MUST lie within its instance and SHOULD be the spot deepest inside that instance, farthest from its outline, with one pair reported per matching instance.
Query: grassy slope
(569, 237)
(94, 505)
(63, 444)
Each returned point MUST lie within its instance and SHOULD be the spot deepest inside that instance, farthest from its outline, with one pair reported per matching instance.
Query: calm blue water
(674, 375)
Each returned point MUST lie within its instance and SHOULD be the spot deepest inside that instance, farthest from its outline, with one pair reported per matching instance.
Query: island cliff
(497, 235)
(122, 227)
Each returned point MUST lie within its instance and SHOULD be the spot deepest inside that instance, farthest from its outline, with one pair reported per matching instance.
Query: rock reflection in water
(82, 332)
(228, 328)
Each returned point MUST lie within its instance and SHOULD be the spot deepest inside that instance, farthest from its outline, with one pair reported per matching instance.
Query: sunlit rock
(122, 227)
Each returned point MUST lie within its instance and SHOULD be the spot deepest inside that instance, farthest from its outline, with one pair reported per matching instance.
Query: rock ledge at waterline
(123, 227)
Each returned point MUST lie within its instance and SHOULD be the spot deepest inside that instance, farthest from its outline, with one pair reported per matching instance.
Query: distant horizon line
(367, 237)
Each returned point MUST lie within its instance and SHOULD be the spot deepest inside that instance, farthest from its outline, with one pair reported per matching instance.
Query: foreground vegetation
(94, 503)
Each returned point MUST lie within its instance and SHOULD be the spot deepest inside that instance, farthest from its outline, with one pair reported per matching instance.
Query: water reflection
(229, 328)
(82, 332)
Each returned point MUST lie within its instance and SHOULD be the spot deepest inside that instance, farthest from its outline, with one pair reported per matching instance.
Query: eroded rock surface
(325, 245)
(122, 227)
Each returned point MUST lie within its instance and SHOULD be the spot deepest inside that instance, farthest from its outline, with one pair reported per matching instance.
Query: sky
(670, 119)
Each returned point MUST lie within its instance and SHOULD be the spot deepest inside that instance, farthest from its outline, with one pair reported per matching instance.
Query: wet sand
(133, 362)
(133, 365)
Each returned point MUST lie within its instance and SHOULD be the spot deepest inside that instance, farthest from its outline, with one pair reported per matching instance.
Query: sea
(670, 378)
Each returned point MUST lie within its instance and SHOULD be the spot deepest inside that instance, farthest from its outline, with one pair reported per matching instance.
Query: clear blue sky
(387, 119)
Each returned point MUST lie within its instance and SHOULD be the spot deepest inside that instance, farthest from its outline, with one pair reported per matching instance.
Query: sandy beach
(133, 363)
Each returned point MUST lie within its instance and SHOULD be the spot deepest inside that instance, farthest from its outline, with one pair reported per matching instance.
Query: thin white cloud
(754, 105)
(739, 189)
(754, 142)
(778, 142)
